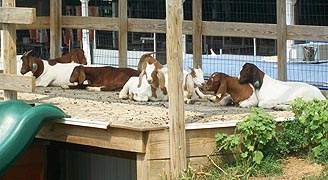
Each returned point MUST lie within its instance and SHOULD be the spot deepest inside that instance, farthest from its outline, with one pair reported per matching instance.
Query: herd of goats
(149, 82)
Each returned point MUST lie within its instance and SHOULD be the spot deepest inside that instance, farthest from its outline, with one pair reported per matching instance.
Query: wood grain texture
(17, 15)
(197, 33)
(123, 33)
(112, 138)
(281, 40)
(17, 83)
(175, 74)
(55, 28)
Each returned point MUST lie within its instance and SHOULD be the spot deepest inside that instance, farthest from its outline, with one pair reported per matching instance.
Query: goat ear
(189, 84)
(33, 66)
(161, 79)
(221, 92)
(140, 78)
(82, 76)
(256, 79)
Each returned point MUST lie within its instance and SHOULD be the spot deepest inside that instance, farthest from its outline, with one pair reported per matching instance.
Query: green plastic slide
(19, 124)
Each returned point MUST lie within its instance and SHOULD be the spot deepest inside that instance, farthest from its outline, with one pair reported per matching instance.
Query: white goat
(276, 94)
(150, 85)
(192, 81)
(45, 74)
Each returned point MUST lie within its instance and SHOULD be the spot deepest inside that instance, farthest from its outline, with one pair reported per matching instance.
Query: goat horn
(26, 53)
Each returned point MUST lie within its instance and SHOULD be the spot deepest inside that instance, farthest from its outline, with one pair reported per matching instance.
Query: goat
(45, 74)
(76, 55)
(150, 85)
(276, 94)
(105, 78)
(192, 81)
(144, 59)
(240, 94)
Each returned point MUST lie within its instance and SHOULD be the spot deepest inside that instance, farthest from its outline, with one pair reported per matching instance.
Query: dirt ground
(296, 169)
(106, 106)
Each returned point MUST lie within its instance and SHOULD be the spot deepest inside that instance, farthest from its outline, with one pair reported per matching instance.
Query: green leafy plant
(252, 138)
(307, 133)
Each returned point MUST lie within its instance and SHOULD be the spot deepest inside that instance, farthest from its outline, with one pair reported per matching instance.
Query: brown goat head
(250, 73)
(33, 64)
(78, 75)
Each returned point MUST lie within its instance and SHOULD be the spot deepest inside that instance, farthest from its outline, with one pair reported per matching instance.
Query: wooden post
(123, 33)
(281, 40)
(175, 73)
(55, 28)
(9, 16)
(197, 33)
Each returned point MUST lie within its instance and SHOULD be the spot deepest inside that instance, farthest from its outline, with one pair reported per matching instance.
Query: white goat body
(143, 93)
(277, 94)
(56, 75)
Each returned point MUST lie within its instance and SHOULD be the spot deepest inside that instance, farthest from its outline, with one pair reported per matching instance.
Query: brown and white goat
(45, 74)
(102, 78)
(240, 94)
(76, 55)
(144, 59)
(276, 94)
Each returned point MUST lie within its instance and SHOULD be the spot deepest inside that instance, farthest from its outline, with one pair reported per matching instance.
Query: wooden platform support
(55, 28)
(177, 134)
(9, 17)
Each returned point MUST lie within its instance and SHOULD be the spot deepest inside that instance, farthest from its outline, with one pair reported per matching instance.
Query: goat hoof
(64, 86)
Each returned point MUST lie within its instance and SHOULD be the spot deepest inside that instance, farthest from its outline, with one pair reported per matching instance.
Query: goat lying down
(105, 78)
(76, 56)
(276, 94)
(150, 85)
(147, 89)
(45, 74)
(240, 94)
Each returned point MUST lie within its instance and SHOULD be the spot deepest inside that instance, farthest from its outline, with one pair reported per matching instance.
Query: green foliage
(252, 138)
(308, 132)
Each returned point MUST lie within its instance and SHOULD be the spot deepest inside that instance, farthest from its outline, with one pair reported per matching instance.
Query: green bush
(307, 133)
(252, 138)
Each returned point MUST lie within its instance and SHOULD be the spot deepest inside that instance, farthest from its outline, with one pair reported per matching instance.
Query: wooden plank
(112, 138)
(98, 23)
(281, 40)
(143, 165)
(197, 33)
(199, 142)
(147, 25)
(305, 32)
(123, 33)
(41, 22)
(13, 82)
(233, 29)
(55, 28)
(175, 75)
(15, 15)
(9, 50)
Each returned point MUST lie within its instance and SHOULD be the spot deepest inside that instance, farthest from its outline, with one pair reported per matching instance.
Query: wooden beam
(111, 138)
(9, 49)
(15, 15)
(55, 28)
(306, 32)
(281, 40)
(175, 73)
(123, 33)
(98, 23)
(197, 33)
(13, 82)
(234, 29)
